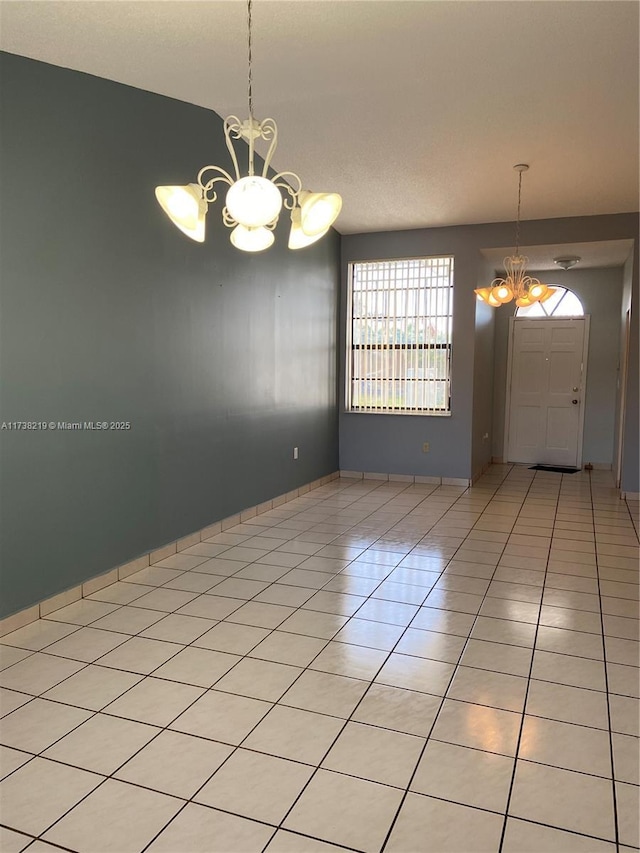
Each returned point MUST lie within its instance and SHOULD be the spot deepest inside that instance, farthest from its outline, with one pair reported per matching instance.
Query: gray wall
(222, 361)
(600, 291)
(483, 391)
(393, 443)
(630, 479)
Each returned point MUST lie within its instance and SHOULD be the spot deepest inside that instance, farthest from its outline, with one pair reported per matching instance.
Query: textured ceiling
(415, 111)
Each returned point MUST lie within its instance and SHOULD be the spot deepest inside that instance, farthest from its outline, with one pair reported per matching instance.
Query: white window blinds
(399, 329)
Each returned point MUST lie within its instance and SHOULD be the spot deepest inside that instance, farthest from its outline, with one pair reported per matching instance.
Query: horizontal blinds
(401, 335)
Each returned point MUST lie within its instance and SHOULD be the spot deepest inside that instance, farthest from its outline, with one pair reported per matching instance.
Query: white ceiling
(414, 110)
(602, 253)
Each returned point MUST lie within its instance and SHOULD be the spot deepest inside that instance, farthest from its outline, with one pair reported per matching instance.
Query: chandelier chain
(518, 214)
(249, 79)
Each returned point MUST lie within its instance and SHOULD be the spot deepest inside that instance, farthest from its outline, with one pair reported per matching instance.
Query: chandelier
(517, 284)
(254, 201)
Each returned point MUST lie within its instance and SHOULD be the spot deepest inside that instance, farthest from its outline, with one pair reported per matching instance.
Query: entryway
(546, 389)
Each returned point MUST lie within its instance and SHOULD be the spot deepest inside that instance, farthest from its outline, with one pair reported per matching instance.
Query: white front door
(545, 403)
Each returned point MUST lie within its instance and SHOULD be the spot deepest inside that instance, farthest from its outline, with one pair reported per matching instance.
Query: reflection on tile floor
(375, 666)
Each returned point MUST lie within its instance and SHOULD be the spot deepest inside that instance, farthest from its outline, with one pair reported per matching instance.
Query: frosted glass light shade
(254, 201)
(251, 239)
(186, 208)
(483, 294)
(318, 211)
(297, 238)
(547, 294)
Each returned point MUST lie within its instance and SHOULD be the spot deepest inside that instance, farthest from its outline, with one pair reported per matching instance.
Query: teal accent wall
(221, 361)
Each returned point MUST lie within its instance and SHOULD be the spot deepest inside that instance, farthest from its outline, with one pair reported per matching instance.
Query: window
(563, 303)
(399, 330)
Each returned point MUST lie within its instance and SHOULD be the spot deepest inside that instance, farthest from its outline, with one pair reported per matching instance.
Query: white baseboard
(88, 587)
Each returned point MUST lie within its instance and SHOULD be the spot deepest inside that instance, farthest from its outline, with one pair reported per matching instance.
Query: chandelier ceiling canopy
(516, 284)
(253, 202)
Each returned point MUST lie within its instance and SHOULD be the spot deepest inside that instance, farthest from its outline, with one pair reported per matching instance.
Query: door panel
(546, 391)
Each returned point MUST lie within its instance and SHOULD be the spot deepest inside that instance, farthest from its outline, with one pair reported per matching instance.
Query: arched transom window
(563, 303)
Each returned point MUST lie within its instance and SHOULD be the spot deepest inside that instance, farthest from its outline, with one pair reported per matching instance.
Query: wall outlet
(425, 447)
(295, 452)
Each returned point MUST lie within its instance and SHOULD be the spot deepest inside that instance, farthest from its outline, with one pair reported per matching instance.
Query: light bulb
(537, 291)
(251, 239)
(502, 294)
(254, 201)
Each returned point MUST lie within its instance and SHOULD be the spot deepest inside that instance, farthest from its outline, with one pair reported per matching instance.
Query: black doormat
(557, 469)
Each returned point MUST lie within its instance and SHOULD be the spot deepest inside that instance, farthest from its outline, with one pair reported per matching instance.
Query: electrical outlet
(295, 452)
(425, 447)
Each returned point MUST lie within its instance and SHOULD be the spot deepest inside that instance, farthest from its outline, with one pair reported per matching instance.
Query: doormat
(556, 469)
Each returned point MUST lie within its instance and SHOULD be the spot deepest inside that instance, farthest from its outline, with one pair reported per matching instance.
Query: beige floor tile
(626, 758)
(477, 726)
(10, 760)
(259, 679)
(497, 657)
(566, 745)
(573, 620)
(41, 791)
(506, 631)
(291, 842)
(87, 644)
(37, 673)
(627, 804)
(289, 596)
(281, 647)
(434, 826)
(222, 717)
(563, 799)
(350, 660)
(13, 842)
(295, 734)
(37, 725)
(375, 753)
(231, 638)
(11, 699)
(93, 687)
(37, 635)
(469, 776)
(312, 624)
(175, 628)
(443, 621)
(496, 689)
(256, 786)
(101, 744)
(397, 709)
(10, 655)
(128, 620)
(201, 667)
(82, 612)
(325, 693)
(154, 701)
(203, 830)
(521, 836)
(431, 644)
(123, 817)
(175, 763)
(624, 680)
(413, 673)
(568, 669)
(340, 809)
(211, 606)
(260, 615)
(140, 655)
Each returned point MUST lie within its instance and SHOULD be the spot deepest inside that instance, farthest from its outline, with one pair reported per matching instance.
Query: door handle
(575, 402)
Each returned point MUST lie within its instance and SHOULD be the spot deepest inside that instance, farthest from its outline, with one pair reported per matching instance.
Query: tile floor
(374, 666)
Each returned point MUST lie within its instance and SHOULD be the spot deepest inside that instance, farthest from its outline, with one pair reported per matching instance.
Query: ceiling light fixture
(253, 201)
(567, 262)
(517, 284)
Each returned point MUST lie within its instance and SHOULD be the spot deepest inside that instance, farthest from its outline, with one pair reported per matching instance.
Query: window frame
(350, 348)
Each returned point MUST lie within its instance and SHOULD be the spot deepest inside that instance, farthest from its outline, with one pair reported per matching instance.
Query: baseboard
(406, 478)
(55, 602)
(630, 496)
